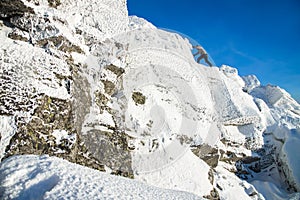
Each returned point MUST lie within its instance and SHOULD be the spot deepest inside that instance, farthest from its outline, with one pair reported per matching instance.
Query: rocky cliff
(85, 82)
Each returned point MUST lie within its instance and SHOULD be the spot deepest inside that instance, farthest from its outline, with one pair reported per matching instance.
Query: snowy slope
(86, 82)
(43, 177)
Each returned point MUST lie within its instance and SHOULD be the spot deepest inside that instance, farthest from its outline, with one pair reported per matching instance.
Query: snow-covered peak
(274, 96)
(251, 82)
(83, 81)
(136, 22)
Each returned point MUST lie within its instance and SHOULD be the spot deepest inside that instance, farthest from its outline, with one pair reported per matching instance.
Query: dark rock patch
(138, 98)
(9, 8)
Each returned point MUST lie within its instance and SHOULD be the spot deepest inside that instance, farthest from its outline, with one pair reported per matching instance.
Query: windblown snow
(43, 177)
(86, 82)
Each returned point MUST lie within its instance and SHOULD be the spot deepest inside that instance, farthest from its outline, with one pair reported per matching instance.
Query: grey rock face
(52, 123)
(10, 8)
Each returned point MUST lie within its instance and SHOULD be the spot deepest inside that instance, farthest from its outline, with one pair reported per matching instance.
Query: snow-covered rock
(136, 22)
(84, 81)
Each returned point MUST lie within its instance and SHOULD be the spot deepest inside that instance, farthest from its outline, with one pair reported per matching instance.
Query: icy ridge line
(86, 82)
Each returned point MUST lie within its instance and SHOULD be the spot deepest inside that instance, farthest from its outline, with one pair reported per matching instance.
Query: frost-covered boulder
(44, 93)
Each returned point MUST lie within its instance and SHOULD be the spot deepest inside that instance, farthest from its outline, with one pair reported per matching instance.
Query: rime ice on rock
(83, 81)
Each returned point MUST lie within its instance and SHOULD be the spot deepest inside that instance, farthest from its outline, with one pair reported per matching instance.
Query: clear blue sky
(260, 37)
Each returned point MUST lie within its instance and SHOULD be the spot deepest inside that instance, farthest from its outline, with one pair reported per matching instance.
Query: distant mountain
(83, 81)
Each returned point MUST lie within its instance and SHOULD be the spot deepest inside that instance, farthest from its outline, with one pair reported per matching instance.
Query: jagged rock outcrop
(83, 81)
(48, 94)
(13, 8)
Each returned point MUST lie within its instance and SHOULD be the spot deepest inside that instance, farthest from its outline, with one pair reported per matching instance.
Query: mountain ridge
(101, 89)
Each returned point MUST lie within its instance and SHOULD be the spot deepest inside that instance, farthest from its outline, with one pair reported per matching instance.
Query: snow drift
(43, 177)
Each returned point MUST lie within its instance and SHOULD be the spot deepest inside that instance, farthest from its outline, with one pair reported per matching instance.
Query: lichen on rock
(138, 98)
(109, 87)
(54, 3)
(59, 42)
(117, 70)
(111, 149)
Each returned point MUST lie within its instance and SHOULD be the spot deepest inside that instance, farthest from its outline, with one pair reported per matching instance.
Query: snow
(271, 191)
(232, 188)
(167, 79)
(7, 131)
(101, 19)
(44, 177)
(136, 22)
(179, 175)
(63, 135)
(38, 68)
(283, 119)
(182, 98)
(251, 82)
(291, 158)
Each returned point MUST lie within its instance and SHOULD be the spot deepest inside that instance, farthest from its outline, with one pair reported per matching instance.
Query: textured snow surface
(63, 135)
(7, 130)
(181, 175)
(232, 187)
(183, 102)
(99, 18)
(33, 68)
(136, 22)
(271, 191)
(290, 157)
(43, 177)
